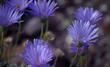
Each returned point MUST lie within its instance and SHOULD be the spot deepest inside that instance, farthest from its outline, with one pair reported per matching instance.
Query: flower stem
(47, 25)
(2, 35)
(78, 64)
(86, 59)
(73, 58)
(78, 52)
(1, 42)
(41, 34)
(18, 33)
(55, 62)
(17, 37)
(78, 55)
(46, 30)
(81, 61)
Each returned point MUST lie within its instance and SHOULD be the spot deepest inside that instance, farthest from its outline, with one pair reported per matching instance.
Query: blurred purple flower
(88, 14)
(19, 4)
(43, 8)
(9, 15)
(37, 53)
(45, 65)
(83, 33)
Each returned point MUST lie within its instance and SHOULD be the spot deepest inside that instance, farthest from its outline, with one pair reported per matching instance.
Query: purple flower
(37, 53)
(19, 4)
(43, 8)
(9, 15)
(88, 14)
(83, 33)
(45, 65)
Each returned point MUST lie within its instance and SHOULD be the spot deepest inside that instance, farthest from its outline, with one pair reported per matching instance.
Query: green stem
(17, 38)
(78, 55)
(86, 59)
(73, 58)
(1, 42)
(47, 25)
(41, 34)
(46, 30)
(78, 52)
(2, 37)
(78, 64)
(18, 33)
(81, 59)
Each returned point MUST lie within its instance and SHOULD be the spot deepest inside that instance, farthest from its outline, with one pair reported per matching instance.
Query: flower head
(43, 8)
(88, 14)
(83, 33)
(9, 15)
(19, 4)
(37, 53)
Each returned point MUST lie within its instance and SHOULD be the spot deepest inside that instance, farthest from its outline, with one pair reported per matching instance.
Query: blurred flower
(88, 14)
(19, 4)
(43, 8)
(44, 65)
(32, 26)
(9, 15)
(83, 34)
(37, 53)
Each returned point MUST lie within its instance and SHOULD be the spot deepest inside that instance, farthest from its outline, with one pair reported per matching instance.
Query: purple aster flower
(19, 4)
(88, 14)
(9, 15)
(83, 33)
(37, 53)
(43, 8)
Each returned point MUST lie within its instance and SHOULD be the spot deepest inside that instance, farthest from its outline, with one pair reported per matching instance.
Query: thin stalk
(47, 25)
(73, 58)
(41, 34)
(46, 29)
(1, 43)
(2, 35)
(8, 59)
(55, 62)
(42, 31)
(18, 33)
(81, 59)
(78, 59)
(78, 52)
(86, 59)
(78, 64)
(17, 38)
